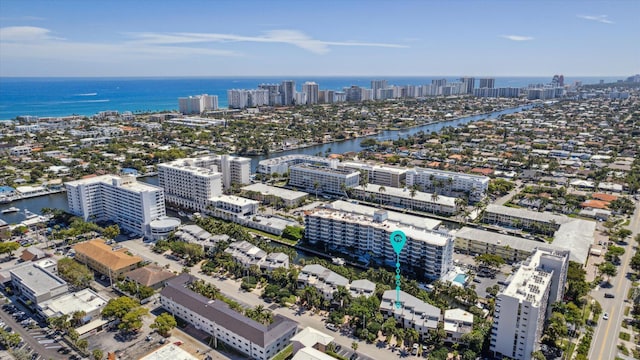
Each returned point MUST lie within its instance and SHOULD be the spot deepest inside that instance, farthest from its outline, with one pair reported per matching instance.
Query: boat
(29, 215)
(10, 210)
(338, 261)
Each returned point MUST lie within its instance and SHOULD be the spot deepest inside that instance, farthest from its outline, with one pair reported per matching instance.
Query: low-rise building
(378, 174)
(111, 261)
(449, 183)
(272, 195)
(323, 279)
(214, 317)
(194, 234)
(152, 276)
(87, 301)
(36, 282)
(406, 198)
(412, 313)
(281, 164)
(457, 322)
(248, 254)
(311, 338)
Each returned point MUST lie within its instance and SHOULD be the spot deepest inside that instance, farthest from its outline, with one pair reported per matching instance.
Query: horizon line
(282, 76)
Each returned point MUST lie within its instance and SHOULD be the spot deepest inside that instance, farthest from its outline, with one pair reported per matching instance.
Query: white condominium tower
(448, 183)
(187, 185)
(376, 86)
(359, 230)
(311, 90)
(129, 203)
(522, 306)
(322, 179)
(197, 104)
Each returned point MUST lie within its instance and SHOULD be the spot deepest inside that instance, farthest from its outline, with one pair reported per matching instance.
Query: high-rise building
(287, 91)
(358, 229)
(353, 93)
(439, 82)
(197, 104)
(130, 204)
(187, 185)
(274, 93)
(237, 98)
(468, 84)
(311, 89)
(322, 179)
(487, 83)
(448, 183)
(377, 85)
(522, 307)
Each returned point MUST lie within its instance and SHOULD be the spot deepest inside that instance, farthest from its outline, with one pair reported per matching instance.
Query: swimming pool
(460, 279)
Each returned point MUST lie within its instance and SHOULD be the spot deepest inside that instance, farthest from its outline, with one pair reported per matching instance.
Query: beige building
(107, 260)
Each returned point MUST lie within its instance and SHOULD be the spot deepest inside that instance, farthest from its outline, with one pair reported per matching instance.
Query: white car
(605, 316)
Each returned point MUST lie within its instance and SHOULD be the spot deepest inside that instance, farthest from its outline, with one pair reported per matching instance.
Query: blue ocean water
(88, 96)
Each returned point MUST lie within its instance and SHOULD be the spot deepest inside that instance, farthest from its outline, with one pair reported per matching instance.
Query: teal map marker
(398, 239)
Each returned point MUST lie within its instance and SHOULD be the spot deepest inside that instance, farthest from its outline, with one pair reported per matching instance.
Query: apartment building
(122, 199)
(214, 317)
(111, 261)
(327, 282)
(364, 230)
(522, 307)
(405, 198)
(448, 183)
(197, 104)
(322, 179)
(457, 322)
(412, 313)
(274, 195)
(187, 185)
(281, 164)
(234, 169)
(376, 174)
(248, 254)
(572, 234)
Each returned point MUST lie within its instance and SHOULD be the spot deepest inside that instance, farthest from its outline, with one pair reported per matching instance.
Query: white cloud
(516, 37)
(598, 18)
(25, 33)
(292, 37)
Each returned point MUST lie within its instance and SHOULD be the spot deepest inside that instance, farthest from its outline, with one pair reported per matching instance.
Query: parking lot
(482, 282)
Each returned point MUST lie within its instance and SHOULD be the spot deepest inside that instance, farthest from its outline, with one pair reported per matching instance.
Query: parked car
(609, 295)
(331, 327)
(605, 316)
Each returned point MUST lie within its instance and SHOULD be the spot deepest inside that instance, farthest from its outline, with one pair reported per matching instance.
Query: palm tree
(316, 186)
(342, 296)
(381, 190)
(343, 188)
(434, 198)
(413, 191)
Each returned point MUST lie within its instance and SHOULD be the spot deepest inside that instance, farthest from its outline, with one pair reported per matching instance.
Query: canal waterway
(59, 200)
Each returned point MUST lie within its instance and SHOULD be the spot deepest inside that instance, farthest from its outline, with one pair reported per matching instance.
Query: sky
(323, 38)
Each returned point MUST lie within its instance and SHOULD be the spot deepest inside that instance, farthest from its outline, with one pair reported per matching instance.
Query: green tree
(111, 232)
(293, 233)
(82, 344)
(75, 273)
(490, 260)
(97, 354)
(132, 321)
(9, 247)
(354, 346)
(164, 323)
(119, 307)
(635, 261)
(607, 269)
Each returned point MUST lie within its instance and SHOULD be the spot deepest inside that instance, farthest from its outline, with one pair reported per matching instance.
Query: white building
(130, 204)
(36, 282)
(281, 164)
(437, 204)
(457, 322)
(310, 89)
(248, 254)
(197, 104)
(448, 183)
(234, 169)
(85, 300)
(21, 150)
(413, 313)
(187, 185)
(268, 194)
(214, 317)
(522, 306)
(363, 230)
(377, 174)
(322, 179)
(327, 282)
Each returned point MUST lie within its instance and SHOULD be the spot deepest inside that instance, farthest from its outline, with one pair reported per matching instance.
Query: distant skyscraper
(488, 83)
(287, 89)
(558, 80)
(311, 90)
(274, 93)
(377, 85)
(353, 93)
(468, 84)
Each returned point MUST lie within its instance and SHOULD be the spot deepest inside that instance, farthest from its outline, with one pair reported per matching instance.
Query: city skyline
(383, 38)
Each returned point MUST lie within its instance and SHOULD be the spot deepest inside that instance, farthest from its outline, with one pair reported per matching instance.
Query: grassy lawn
(624, 336)
(285, 353)
(587, 312)
(273, 237)
(570, 347)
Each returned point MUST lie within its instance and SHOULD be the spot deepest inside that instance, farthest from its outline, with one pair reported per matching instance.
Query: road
(232, 289)
(605, 339)
(28, 338)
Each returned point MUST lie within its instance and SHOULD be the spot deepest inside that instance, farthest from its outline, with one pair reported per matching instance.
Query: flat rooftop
(406, 194)
(275, 191)
(528, 284)
(85, 300)
(37, 279)
(407, 220)
(169, 352)
(127, 182)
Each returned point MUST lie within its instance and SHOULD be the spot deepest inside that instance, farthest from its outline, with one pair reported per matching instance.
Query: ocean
(88, 96)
